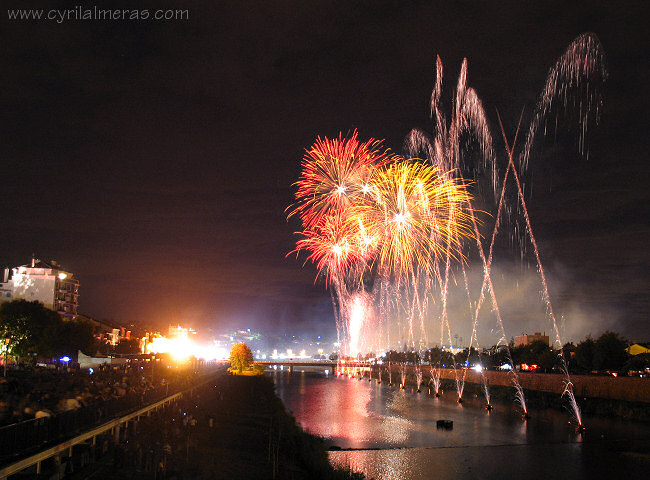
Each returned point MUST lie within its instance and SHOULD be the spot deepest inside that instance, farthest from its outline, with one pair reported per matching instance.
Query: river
(392, 434)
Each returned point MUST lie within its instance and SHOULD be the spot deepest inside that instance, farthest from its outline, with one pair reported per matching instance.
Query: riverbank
(259, 437)
(236, 427)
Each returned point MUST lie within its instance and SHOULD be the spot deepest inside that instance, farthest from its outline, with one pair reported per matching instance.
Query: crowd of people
(221, 427)
(35, 393)
(159, 445)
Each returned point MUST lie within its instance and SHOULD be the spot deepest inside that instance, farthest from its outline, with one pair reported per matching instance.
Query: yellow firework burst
(416, 213)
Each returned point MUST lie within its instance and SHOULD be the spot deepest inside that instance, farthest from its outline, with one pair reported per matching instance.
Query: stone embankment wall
(628, 389)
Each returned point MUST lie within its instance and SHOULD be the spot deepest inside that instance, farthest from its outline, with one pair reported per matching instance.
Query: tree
(548, 359)
(585, 354)
(610, 352)
(72, 336)
(640, 362)
(535, 353)
(569, 352)
(433, 355)
(241, 357)
(38, 331)
(31, 327)
(495, 357)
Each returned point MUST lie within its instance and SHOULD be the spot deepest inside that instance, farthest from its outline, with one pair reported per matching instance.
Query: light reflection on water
(353, 414)
(499, 462)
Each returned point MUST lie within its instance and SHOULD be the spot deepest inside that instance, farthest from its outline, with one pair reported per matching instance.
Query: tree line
(607, 353)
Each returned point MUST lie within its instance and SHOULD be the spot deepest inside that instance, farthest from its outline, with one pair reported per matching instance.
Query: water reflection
(554, 461)
(364, 415)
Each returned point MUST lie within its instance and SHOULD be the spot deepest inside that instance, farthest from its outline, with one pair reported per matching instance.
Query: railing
(30, 436)
(58, 434)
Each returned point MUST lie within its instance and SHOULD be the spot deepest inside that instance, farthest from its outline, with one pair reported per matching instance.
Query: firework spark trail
(487, 282)
(411, 316)
(582, 66)
(473, 336)
(384, 309)
(435, 379)
(487, 285)
(472, 109)
(442, 285)
(568, 385)
(418, 307)
(398, 307)
(357, 313)
(337, 299)
(474, 329)
(423, 306)
(486, 388)
(444, 152)
(438, 368)
(444, 296)
(445, 317)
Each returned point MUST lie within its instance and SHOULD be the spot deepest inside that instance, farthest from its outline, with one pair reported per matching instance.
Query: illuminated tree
(241, 357)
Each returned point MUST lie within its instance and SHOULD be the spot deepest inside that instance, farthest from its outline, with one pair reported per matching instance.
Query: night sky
(155, 160)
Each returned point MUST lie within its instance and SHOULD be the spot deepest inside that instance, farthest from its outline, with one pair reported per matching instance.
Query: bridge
(297, 363)
(291, 364)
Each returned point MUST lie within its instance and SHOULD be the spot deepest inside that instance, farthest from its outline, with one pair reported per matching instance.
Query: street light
(65, 361)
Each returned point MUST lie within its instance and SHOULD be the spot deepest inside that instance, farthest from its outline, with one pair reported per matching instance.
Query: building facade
(523, 340)
(48, 283)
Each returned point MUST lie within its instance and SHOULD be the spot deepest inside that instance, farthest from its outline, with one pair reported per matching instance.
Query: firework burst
(337, 246)
(416, 214)
(335, 174)
(363, 207)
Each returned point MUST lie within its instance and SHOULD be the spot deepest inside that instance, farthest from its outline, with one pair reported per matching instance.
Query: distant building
(48, 283)
(105, 332)
(176, 331)
(523, 340)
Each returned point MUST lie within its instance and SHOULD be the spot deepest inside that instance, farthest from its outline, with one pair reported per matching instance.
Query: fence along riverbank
(26, 445)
